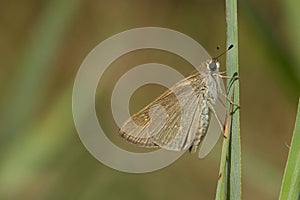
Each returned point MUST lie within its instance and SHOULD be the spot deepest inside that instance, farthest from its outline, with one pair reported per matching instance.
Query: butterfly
(181, 117)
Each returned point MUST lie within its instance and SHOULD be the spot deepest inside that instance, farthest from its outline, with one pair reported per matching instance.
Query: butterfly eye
(213, 66)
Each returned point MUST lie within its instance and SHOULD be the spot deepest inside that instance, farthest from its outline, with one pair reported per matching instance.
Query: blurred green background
(42, 46)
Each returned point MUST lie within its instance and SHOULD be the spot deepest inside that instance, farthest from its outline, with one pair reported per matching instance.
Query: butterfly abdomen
(203, 126)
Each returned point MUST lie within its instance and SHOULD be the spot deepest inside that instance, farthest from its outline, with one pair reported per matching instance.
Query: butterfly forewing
(171, 121)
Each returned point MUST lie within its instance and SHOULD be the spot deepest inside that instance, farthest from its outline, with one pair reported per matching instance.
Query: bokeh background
(42, 44)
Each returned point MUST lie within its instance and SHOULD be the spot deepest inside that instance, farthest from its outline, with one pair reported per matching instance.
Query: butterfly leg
(228, 77)
(215, 114)
(229, 100)
(224, 127)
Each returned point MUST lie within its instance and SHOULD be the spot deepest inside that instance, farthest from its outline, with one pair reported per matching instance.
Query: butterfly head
(213, 65)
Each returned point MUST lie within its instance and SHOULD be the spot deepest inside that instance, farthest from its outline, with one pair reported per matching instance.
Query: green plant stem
(229, 184)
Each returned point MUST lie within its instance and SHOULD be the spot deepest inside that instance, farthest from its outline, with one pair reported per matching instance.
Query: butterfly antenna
(230, 47)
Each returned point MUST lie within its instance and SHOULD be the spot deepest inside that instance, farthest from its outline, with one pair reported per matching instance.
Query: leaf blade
(290, 188)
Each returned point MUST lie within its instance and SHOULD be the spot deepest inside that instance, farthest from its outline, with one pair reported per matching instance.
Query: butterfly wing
(170, 121)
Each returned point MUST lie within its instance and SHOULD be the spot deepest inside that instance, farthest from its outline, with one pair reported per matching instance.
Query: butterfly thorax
(212, 88)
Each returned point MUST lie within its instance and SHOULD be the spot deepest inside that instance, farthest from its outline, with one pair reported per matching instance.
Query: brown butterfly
(180, 118)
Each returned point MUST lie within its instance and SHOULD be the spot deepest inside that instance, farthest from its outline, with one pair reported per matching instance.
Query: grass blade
(229, 184)
(290, 188)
